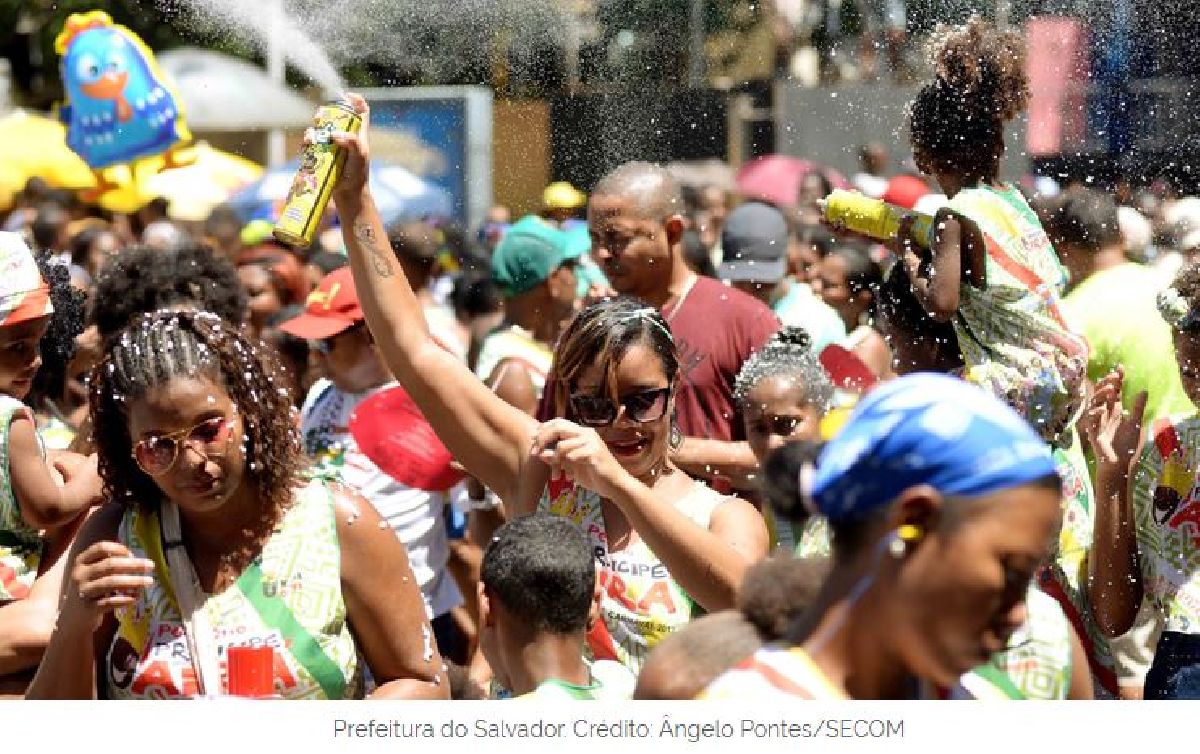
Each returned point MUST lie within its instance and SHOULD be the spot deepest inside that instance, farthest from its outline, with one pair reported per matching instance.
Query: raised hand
(1115, 434)
(358, 151)
(578, 452)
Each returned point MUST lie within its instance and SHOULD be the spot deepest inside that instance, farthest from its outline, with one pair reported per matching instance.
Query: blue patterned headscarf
(925, 429)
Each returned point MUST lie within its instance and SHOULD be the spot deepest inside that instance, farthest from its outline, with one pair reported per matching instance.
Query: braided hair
(787, 354)
(167, 345)
(956, 123)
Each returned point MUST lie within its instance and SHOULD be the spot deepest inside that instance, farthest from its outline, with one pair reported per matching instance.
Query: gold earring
(904, 536)
(909, 533)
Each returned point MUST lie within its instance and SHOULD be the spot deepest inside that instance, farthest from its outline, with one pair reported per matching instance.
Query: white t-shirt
(417, 516)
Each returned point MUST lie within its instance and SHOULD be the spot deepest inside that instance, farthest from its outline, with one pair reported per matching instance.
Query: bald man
(635, 217)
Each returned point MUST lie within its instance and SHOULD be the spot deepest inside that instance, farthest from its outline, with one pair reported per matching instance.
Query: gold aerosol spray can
(320, 166)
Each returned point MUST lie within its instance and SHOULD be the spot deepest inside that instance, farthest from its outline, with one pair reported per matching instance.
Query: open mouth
(630, 446)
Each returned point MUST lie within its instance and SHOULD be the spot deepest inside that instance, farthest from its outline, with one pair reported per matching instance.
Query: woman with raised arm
(667, 544)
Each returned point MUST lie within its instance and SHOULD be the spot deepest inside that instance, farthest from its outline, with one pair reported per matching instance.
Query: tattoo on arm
(379, 257)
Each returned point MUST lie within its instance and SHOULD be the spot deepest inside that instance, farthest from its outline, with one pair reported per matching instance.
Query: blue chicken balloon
(119, 108)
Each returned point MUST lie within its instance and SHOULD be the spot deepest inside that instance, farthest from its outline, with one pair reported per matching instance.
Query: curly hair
(601, 334)
(141, 279)
(956, 123)
(57, 345)
(166, 345)
(787, 354)
(1179, 305)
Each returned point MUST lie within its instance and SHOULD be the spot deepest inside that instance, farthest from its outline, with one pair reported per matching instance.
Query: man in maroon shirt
(635, 217)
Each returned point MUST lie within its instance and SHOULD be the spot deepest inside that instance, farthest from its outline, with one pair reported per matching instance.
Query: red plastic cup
(251, 671)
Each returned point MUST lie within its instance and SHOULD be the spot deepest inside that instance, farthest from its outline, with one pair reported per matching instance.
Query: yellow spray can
(320, 166)
(874, 217)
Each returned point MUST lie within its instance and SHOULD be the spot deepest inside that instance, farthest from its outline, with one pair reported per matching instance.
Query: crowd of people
(688, 444)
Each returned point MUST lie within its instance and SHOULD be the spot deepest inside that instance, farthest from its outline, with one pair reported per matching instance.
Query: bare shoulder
(740, 526)
(733, 508)
(352, 512)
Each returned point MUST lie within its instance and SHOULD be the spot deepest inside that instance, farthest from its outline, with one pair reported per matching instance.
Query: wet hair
(1086, 218)
(902, 312)
(1187, 287)
(956, 123)
(686, 661)
(141, 279)
(293, 351)
(787, 354)
(57, 345)
(168, 345)
(863, 274)
(777, 591)
(540, 567)
(601, 334)
(652, 189)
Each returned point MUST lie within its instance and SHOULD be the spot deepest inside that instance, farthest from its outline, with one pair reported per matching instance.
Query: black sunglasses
(600, 411)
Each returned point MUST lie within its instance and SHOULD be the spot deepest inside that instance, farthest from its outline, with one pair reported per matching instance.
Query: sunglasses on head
(600, 411)
(156, 454)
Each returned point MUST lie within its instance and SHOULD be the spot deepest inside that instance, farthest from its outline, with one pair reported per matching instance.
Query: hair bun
(986, 65)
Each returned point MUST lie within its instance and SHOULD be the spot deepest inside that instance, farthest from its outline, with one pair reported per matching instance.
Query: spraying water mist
(316, 36)
(282, 29)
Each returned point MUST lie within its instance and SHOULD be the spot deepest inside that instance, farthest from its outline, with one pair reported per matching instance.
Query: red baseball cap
(331, 308)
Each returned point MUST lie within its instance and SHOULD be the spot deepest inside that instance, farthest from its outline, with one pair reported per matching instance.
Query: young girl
(1148, 514)
(991, 269)
(31, 498)
(37, 505)
(993, 273)
(784, 393)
